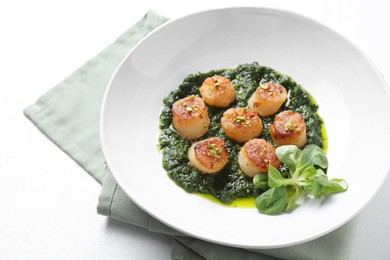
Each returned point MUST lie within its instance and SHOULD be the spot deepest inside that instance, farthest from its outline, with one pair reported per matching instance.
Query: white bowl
(353, 98)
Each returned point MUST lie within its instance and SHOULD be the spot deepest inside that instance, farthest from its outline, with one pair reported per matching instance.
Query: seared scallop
(241, 124)
(190, 117)
(288, 128)
(209, 155)
(217, 91)
(255, 156)
(268, 98)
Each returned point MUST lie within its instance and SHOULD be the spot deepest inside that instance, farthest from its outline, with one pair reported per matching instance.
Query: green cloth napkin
(69, 115)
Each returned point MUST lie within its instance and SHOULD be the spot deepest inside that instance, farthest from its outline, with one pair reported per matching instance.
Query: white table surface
(48, 203)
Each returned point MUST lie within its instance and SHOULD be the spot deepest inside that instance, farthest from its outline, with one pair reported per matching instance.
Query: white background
(48, 203)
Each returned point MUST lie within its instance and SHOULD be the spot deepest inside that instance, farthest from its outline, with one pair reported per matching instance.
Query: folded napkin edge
(64, 142)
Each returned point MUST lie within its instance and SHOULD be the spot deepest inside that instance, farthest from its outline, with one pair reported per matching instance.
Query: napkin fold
(69, 115)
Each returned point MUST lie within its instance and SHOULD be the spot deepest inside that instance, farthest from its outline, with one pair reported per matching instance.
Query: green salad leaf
(273, 201)
(261, 181)
(306, 175)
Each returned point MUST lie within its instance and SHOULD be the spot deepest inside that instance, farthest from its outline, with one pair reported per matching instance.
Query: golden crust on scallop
(268, 98)
(190, 117)
(218, 91)
(241, 124)
(256, 155)
(288, 128)
(209, 155)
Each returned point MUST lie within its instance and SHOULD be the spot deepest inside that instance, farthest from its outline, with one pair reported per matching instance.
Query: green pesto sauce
(230, 183)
